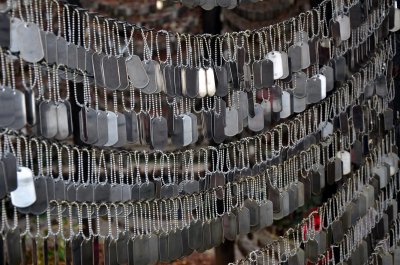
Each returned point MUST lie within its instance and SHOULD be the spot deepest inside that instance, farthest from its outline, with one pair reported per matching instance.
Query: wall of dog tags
(186, 141)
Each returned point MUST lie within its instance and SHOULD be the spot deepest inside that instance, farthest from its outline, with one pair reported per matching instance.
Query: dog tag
(102, 192)
(102, 128)
(84, 193)
(30, 47)
(345, 157)
(59, 190)
(153, 243)
(13, 241)
(202, 83)
(243, 219)
(230, 226)
(72, 56)
(295, 53)
(266, 214)
(256, 123)
(41, 203)
(122, 73)
(382, 172)
(344, 24)
(3, 184)
(64, 121)
(141, 250)
(151, 68)
(137, 74)
(175, 244)
(192, 82)
(338, 233)
(121, 127)
(216, 232)
(112, 128)
(286, 105)
(25, 194)
(97, 62)
(132, 130)
(159, 133)
(195, 235)
(231, 122)
(169, 75)
(328, 72)
(15, 39)
(311, 250)
(257, 75)
(219, 127)
(187, 130)
(267, 72)
(211, 86)
(314, 90)
(9, 169)
(254, 212)
(178, 133)
(222, 81)
(88, 119)
(340, 68)
(276, 59)
(276, 94)
(48, 125)
(356, 153)
(147, 191)
(110, 72)
(388, 117)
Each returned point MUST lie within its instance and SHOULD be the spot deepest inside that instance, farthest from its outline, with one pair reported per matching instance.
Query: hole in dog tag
(41, 203)
(64, 121)
(159, 133)
(230, 226)
(256, 123)
(136, 72)
(222, 81)
(195, 235)
(30, 47)
(48, 125)
(294, 53)
(112, 128)
(102, 192)
(276, 59)
(25, 194)
(13, 241)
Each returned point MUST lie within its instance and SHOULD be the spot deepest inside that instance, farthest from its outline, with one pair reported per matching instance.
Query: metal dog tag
(276, 58)
(346, 161)
(64, 120)
(42, 201)
(30, 47)
(256, 123)
(112, 128)
(110, 72)
(15, 39)
(121, 125)
(222, 81)
(243, 220)
(159, 133)
(294, 53)
(136, 72)
(25, 194)
(132, 130)
(267, 73)
(286, 105)
(192, 82)
(48, 125)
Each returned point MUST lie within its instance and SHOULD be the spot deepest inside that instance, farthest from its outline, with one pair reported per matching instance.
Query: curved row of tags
(387, 250)
(357, 245)
(240, 72)
(186, 180)
(219, 122)
(212, 229)
(331, 243)
(61, 108)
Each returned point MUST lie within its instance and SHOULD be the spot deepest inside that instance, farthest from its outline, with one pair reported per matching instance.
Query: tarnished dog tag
(338, 233)
(266, 214)
(311, 250)
(141, 250)
(243, 219)
(216, 232)
(13, 243)
(195, 235)
(230, 226)
(186, 250)
(175, 244)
